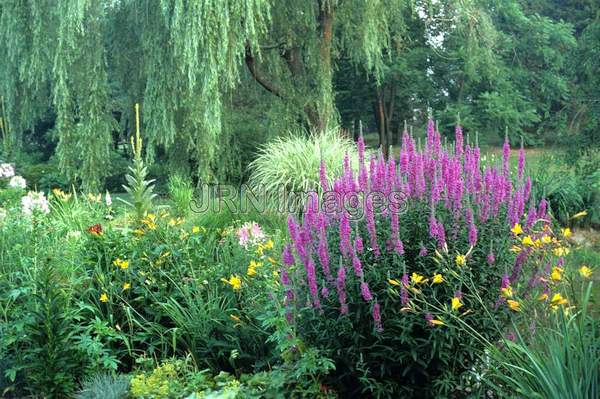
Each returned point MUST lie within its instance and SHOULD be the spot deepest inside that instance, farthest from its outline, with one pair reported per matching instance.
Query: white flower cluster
(35, 201)
(6, 170)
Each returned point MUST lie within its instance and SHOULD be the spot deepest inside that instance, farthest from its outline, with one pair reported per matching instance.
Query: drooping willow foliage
(86, 62)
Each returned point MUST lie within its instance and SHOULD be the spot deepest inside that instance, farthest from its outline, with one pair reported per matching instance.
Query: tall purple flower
(358, 244)
(340, 285)
(345, 230)
(323, 177)
(288, 258)
(521, 164)
(357, 266)
(365, 292)
(369, 215)
(377, 317)
(458, 137)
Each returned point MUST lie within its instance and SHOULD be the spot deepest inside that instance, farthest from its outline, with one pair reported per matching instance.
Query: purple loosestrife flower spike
(323, 177)
(288, 258)
(505, 156)
(521, 164)
(371, 226)
(312, 281)
(340, 285)
(491, 259)
(458, 140)
(358, 244)
(357, 266)
(365, 292)
(423, 251)
(377, 317)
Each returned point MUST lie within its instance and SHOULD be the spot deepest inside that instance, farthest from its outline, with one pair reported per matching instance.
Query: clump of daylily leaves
(389, 257)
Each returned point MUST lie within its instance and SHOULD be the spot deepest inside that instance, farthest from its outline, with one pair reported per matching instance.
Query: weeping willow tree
(87, 61)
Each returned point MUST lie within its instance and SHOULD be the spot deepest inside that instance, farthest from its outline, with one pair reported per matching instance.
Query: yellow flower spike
(507, 292)
(517, 229)
(104, 297)
(585, 271)
(460, 260)
(437, 279)
(195, 229)
(527, 241)
(513, 305)
(456, 303)
(566, 232)
(579, 215)
(556, 274)
(394, 282)
(126, 286)
(417, 278)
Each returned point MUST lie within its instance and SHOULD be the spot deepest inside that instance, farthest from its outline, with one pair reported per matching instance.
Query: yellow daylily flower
(515, 249)
(546, 239)
(234, 281)
(269, 244)
(566, 232)
(513, 305)
(556, 274)
(251, 270)
(417, 278)
(437, 279)
(585, 271)
(517, 229)
(104, 297)
(437, 322)
(456, 303)
(195, 229)
(460, 260)
(394, 282)
(543, 297)
(139, 232)
(126, 286)
(528, 241)
(557, 299)
(560, 251)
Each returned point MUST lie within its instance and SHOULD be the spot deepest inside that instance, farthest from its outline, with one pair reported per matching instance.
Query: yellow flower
(579, 215)
(527, 241)
(515, 249)
(557, 299)
(560, 251)
(517, 229)
(556, 274)
(260, 249)
(195, 229)
(543, 297)
(460, 260)
(585, 271)
(394, 282)
(437, 279)
(126, 286)
(275, 273)
(273, 261)
(139, 232)
(269, 244)
(251, 270)
(513, 305)
(417, 278)
(566, 232)
(175, 222)
(123, 264)
(537, 242)
(104, 297)
(234, 281)
(437, 322)
(456, 303)
(546, 239)
(507, 292)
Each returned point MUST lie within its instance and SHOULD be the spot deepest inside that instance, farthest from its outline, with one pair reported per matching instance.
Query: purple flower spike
(365, 292)
(377, 317)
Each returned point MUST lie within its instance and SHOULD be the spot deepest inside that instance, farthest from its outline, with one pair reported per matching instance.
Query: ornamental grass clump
(384, 254)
